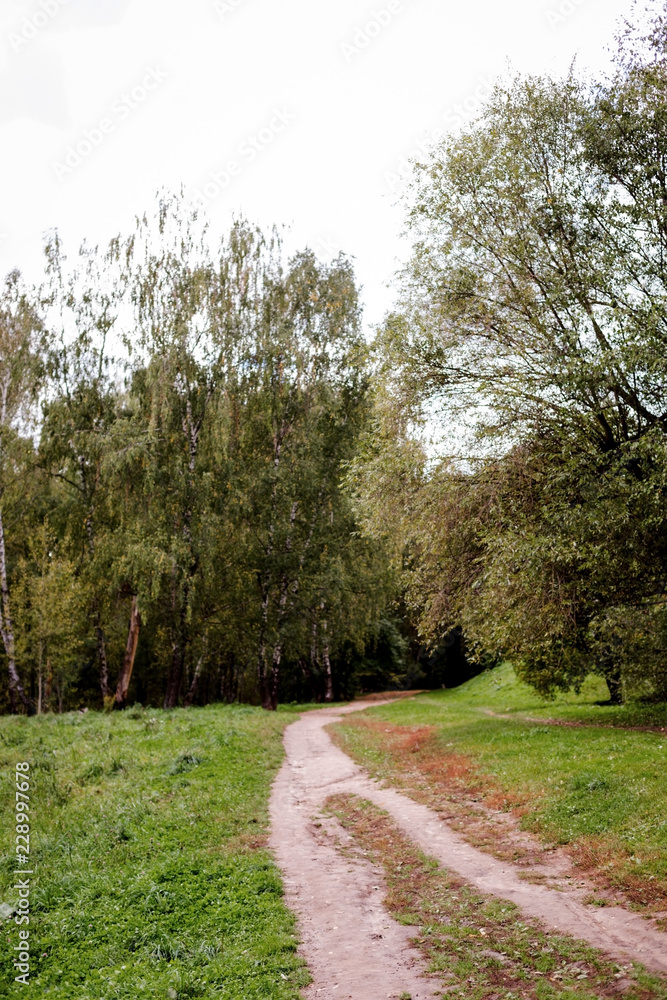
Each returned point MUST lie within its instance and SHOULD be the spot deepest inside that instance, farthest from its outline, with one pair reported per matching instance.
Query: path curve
(352, 946)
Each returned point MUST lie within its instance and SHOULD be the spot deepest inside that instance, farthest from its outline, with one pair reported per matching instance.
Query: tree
(19, 382)
(79, 413)
(296, 408)
(189, 523)
(186, 311)
(534, 315)
(50, 612)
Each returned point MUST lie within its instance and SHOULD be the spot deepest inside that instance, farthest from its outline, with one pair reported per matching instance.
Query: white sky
(333, 123)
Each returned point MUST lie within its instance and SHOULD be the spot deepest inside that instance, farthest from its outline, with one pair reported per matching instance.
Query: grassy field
(596, 787)
(147, 843)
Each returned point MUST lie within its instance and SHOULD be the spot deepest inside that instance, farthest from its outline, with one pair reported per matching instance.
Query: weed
(186, 762)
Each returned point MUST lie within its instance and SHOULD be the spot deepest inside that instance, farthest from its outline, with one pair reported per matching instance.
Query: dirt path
(352, 946)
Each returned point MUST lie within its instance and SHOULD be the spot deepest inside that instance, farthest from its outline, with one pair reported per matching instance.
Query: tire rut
(353, 948)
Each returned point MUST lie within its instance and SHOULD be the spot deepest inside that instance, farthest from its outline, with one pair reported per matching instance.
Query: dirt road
(352, 947)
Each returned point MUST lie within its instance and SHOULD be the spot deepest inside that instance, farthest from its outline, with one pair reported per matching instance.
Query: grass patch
(147, 839)
(599, 790)
(481, 947)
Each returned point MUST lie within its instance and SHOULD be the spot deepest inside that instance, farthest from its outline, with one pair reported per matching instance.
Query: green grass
(600, 790)
(501, 691)
(147, 842)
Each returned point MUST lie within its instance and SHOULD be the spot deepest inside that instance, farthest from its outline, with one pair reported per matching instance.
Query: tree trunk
(192, 690)
(181, 641)
(39, 680)
(614, 680)
(102, 658)
(265, 692)
(326, 660)
(328, 679)
(269, 683)
(264, 685)
(179, 644)
(261, 652)
(175, 679)
(309, 679)
(49, 680)
(130, 653)
(99, 632)
(16, 691)
(229, 682)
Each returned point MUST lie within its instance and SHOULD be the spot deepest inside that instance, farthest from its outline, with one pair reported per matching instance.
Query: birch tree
(81, 304)
(19, 381)
(300, 396)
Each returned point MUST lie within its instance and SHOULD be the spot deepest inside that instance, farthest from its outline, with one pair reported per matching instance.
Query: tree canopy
(174, 518)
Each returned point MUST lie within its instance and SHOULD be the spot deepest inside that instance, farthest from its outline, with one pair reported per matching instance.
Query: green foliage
(192, 483)
(254, 489)
(50, 606)
(381, 665)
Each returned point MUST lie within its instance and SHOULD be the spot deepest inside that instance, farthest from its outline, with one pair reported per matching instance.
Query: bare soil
(353, 948)
(480, 945)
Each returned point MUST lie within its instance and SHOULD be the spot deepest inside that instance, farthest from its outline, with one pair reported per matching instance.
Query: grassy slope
(147, 842)
(600, 790)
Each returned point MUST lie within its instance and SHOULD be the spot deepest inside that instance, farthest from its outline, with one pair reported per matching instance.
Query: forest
(214, 486)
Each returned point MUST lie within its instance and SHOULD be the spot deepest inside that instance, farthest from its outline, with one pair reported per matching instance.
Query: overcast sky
(301, 112)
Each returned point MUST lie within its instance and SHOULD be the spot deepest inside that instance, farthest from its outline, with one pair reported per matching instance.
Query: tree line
(175, 425)
(212, 486)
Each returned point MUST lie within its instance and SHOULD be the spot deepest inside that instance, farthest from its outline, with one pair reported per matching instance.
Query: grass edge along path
(481, 947)
(596, 791)
(148, 842)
